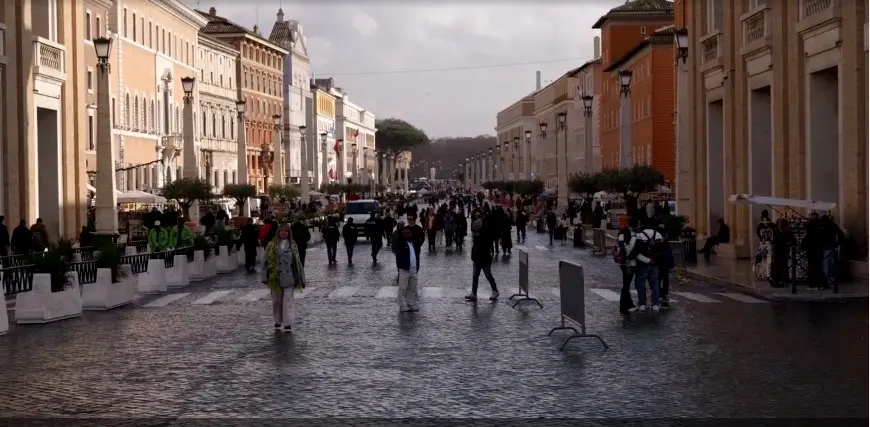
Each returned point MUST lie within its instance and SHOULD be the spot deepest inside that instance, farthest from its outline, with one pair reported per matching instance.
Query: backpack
(655, 249)
(618, 253)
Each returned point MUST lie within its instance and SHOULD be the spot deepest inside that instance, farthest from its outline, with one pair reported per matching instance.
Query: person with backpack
(646, 248)
(620, 257)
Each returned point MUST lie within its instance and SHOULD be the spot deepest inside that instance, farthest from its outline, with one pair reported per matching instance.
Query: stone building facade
(321, 121)
(259, 76)
(776, 102)
(217, 87)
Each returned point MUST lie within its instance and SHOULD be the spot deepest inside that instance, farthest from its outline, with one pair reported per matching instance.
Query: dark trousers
(349, 249)
(430, 235)
(495, 244)
(521, 232)
(302, 249)
(476, 276)
(331, 249)
(711, 242)
(664, 281)
(387, 234)
(250, 256)
(376, 247)
(551, 231)
(625, 302)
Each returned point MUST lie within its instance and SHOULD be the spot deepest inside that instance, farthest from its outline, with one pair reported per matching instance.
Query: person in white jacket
(641, 249)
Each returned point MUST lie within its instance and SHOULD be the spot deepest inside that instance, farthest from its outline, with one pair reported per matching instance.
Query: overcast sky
(359, 42)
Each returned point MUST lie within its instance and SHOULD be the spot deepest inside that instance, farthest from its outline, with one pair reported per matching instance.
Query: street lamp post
(588, 134)
(277, 152)
(354, 164)
(303, 173)
(190, 168)
(324, 164)
(543, 127)
(515, 159)
(242, 154)
(625, 157)
(684, 186)
(504, 159)
(527, 154)
(105, 212)
(562, 160)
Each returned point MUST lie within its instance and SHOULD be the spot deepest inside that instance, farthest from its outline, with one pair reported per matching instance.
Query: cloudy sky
(363, 43)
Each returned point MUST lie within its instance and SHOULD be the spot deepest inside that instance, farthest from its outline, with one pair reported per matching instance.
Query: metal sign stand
(572, 291)
(524, 281)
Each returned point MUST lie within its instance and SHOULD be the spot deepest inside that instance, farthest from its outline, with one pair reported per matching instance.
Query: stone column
(304, 184)
(242, 159)
(340, 162)
(324, 164)
(683, 188)
(562, 167)
(625, 147)
(588, 153)
(190, 170)
(106, 213)
(277, 154)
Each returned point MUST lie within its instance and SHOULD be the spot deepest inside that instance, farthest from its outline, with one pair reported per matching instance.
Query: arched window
(153, 117)
(204, 127)
(135, 123)
(127, 109)
(213, 125)
(159, 120)
(226, 178)
(224, 126)
(144, 115)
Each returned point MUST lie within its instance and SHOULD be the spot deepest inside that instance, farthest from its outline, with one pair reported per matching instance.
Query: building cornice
(188, 15)
(210, 42)
(658, 38)
(103, 3)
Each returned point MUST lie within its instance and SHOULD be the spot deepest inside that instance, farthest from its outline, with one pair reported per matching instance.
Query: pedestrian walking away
(348, 233)
(331, 235)
(408, 263)
(375, 233)
(301, 236)
(283, 273)
(250, 241)
(481, 256)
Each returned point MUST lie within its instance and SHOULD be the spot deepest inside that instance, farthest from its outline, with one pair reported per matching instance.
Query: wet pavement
(352, 355)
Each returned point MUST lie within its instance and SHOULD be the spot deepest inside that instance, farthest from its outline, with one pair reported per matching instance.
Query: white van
(360, 211)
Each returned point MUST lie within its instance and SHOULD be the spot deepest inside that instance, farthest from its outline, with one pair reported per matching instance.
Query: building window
(714, 15)
(134, 27)
(125, 22)
(150, 36)
(91, 129)
(127, 109)
(88, 35)
(99, 26)
(142, 30)
(114, 113)
(643, 29)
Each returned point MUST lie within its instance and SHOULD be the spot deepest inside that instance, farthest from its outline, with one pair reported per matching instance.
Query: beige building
(154, 48)
(557, 97)
(511, 125)
(217, 112)
(585, 153)
(776, 98)
(44, 113)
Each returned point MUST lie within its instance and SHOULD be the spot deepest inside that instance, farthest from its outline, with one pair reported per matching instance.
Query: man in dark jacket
(249, 238)
(522, 220)
(551, 223)
(4, 237)
(408, 263)
(301, 236)
(481, 257)
(22, 240)
(348, 233)
(387, 224)
(375, 233)
(331, 235)
(418, 236)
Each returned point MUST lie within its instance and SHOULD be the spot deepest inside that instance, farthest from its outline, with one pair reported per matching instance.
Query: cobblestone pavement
(714, 354)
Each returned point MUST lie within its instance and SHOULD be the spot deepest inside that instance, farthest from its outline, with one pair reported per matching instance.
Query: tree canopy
(239, 192)
(584, 184)
(187, 191)
(395, 136)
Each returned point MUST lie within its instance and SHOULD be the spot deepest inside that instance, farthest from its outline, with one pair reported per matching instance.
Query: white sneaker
(656, 308)
(494, 296)
(640, 308)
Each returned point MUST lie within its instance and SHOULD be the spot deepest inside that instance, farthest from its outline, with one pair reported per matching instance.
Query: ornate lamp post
(515, 159)
(105, 212)
(588, 134)
(242, 154)
(543, 135)
(324, 164)
(277, 150)
(303, 173)
(684, 185)
(625, 159)
(504, 159)
(527, 154)
(354, 150)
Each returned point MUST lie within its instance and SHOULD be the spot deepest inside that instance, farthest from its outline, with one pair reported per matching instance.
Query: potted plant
(240, 193)
(55, 294)
(109, 290)
(201, 243)
(53, 264)
(186, 192)
(109, 257)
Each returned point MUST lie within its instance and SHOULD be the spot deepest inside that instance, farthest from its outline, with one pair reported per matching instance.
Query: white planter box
(153, 281)
(227, 262)
(178, 276)
(4, 322)
(202, 269)
(105, 295)
(130, 250)
(41, 305)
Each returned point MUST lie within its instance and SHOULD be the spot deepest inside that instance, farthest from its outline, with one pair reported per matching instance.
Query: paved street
(210, 351)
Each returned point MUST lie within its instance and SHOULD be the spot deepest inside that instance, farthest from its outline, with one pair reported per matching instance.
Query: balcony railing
(49, 58)
(710, 48)
(815, 7)
(756, 25)
(2, 40)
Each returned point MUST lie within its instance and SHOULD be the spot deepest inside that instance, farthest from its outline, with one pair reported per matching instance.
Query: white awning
(749, 199)
(136, 196)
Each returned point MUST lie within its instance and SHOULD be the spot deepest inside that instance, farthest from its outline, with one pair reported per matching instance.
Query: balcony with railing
(711, 51)
(2, 43)
(815, 13)
(757, 29)
(49, 59)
